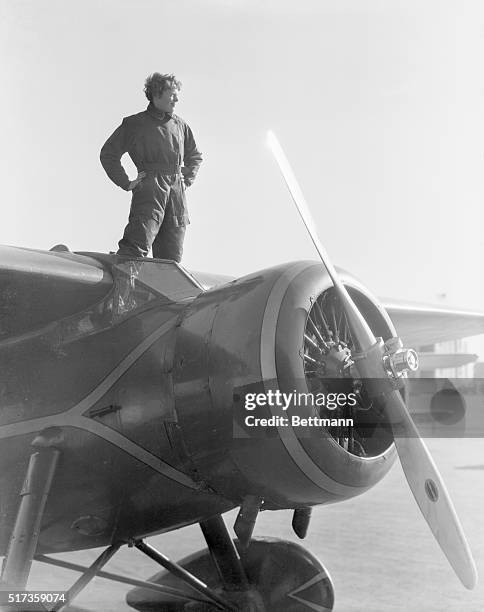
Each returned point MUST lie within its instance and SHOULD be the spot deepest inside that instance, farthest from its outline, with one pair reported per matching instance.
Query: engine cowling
(255, 335)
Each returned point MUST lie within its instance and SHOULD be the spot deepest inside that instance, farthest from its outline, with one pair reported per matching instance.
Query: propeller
(384, 364)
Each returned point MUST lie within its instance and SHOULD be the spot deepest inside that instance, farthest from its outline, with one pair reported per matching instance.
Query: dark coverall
(163, 146)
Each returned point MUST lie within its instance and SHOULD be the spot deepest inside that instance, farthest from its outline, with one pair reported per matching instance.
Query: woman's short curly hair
(156, 83)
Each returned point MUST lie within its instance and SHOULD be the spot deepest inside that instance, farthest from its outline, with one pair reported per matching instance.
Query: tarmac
(377, 547)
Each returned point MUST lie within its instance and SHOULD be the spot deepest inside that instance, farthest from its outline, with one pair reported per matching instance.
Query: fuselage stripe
(74, 416)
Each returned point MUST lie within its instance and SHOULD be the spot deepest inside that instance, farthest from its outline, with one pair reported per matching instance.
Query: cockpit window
(32, 301)
(136, 284)
(167, 279)
(81, 296)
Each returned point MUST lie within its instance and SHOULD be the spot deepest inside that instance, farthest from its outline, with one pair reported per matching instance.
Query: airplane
(123, 414)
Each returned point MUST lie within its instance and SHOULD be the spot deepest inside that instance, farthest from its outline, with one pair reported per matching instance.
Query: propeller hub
(337, 361)
(398, 360)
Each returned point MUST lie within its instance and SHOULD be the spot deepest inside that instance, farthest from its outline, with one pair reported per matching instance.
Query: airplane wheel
(283, 577)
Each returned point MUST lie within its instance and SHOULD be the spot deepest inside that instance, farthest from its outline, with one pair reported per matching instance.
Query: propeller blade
(363, 333)
(420, 471)
(429, 491)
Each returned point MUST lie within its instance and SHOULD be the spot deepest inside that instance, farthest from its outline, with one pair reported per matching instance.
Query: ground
(377, 548)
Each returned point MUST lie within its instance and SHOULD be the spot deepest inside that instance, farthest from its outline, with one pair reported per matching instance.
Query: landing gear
(33, 497)
(256, 575)
(270, 575)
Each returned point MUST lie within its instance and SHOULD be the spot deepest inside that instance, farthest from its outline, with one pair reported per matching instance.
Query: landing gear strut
(269, 575)
(33, 497)
(185, 576)
(266, 576)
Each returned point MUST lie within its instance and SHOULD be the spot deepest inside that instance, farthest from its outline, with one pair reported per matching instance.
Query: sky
(377, 103)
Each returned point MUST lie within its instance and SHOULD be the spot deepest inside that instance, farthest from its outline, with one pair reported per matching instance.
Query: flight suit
(163, 146)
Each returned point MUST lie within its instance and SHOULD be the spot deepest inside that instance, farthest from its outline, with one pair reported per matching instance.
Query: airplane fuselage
(140, 374)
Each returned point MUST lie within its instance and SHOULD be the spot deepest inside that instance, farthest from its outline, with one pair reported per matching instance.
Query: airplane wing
(65, 265)
(433, 361)
(417, 324)
(422, 324)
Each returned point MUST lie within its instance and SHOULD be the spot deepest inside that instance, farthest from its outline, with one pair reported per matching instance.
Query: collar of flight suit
(154, 112)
